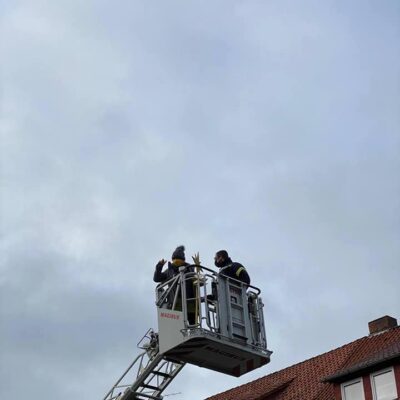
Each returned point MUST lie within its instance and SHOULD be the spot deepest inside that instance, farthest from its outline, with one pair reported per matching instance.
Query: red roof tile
(305, 380)
(371, 350)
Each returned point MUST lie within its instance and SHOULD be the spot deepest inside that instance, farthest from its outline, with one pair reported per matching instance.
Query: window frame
(352, 382)
(380, 372)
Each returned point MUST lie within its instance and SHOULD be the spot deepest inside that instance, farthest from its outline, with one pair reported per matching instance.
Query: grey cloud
(270, 129)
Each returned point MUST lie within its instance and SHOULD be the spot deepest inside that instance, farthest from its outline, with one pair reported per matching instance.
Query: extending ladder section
(150, 372)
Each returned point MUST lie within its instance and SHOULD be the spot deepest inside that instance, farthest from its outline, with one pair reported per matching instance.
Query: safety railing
(215, 303)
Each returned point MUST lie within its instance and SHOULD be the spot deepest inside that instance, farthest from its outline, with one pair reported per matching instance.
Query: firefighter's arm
(160, 276)
(242, 275)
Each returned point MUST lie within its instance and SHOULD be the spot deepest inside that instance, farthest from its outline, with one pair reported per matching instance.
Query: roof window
(353, 390)
(383, 385)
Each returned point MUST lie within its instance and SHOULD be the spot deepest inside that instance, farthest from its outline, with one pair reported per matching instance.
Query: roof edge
(357, 369)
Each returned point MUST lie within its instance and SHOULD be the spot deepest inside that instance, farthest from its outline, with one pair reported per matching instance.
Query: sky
(267, 128)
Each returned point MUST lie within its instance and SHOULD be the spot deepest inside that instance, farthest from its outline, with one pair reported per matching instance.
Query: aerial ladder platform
(205, 319)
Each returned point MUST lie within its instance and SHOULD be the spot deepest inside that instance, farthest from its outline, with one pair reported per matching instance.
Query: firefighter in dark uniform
(229, 268)
(178, 260)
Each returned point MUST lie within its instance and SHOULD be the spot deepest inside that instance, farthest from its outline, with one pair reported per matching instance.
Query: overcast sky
(268, 128)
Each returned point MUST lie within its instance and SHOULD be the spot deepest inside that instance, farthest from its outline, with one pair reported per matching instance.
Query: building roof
(313, 379)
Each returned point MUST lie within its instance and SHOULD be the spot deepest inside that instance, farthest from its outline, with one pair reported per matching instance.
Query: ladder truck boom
(150, 372)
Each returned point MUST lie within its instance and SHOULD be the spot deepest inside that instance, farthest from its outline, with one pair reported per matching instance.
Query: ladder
(150, 371)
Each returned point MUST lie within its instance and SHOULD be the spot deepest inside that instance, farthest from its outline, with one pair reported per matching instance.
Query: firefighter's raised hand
(196, 258)
(161, 262)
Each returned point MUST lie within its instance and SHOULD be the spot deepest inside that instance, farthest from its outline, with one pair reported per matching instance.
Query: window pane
(385, 387)
(354, 391)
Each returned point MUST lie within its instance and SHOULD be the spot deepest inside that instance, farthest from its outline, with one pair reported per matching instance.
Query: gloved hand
(196, 258)
(161, 263)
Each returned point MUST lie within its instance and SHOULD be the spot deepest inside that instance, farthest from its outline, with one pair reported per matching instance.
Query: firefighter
(229, 268)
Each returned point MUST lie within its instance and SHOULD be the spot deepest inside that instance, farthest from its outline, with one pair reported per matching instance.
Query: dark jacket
(171, 271)
(235, 270)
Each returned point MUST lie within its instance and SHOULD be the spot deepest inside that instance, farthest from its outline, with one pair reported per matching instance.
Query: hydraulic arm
(150, 372)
